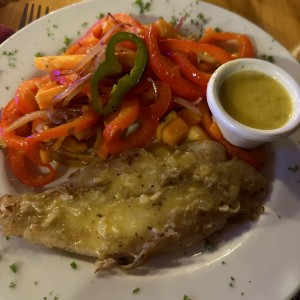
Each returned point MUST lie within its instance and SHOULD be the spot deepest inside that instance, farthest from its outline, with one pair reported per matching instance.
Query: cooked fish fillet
(143, 202)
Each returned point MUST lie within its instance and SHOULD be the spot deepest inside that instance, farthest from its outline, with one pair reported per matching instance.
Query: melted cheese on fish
(143, 202)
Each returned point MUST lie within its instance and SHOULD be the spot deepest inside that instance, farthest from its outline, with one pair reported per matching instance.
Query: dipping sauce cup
(253, 102)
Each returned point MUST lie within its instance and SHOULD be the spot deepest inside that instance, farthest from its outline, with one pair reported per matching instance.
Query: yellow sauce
(256, 100)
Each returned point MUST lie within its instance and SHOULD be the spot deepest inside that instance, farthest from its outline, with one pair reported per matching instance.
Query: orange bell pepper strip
(167, 71)
(18, 162)
(190, 46)
(245, 47)
(142, 137)
(213, 130)
(81, 123)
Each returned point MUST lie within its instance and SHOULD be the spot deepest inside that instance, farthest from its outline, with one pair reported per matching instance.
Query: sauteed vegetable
(113, 90)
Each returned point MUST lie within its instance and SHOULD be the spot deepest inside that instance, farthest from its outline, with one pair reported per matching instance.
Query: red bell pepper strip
(143, 136)
(245, 47)
(10, 113)
(25, 96)
(163, 100)
(79, 124)
(17, 161)
(190, 46)
(166, 71)
(190, 71)
(127, 115)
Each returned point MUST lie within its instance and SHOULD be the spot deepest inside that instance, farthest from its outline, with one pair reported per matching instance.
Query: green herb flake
(185, 297)
(294, 168)
(223, 262)
(7, 237)
(67, 41)
(136, 290)
(12, 285)
(101, 15)
(267, 57)
(73, 265)
(209, 246)
(143, 6)
(14, 267)
(39, 54)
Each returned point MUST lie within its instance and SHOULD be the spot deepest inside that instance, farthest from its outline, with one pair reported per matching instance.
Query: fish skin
(146, 201)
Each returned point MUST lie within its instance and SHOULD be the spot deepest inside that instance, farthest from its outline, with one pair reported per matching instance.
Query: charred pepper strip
(111, 67)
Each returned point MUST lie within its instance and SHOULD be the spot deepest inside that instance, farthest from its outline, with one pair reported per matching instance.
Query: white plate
(263, 258)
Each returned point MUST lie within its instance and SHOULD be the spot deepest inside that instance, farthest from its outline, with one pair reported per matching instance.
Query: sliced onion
(180, 22)
(70, 89)
(98, 49)
(203, 56)
(189, 105)
(154, 86)
(41, 114)
(57, 76)
(72, 158)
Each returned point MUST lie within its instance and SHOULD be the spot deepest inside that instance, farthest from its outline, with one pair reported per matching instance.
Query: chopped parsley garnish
(12, 285)
(11, 57)
(7, 237)
(174, 20)
(136, 290)
(223, 262)
(73, 265)
(143, 6)
(67, 41)
(14, 267)
(100, 16)
(231, 284)
(39, 54)
(267, 57)
(185, 297)
(9, 53)
(209, 246)
(294, 168)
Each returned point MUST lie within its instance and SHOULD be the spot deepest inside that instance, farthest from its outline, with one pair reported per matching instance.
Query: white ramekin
(237, 133)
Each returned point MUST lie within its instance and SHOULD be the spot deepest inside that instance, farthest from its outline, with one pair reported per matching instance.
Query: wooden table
(280, 18)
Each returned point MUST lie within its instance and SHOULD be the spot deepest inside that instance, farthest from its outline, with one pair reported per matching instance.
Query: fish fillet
(144, 202)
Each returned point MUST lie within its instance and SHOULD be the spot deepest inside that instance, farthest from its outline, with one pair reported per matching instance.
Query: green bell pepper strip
(111, 67)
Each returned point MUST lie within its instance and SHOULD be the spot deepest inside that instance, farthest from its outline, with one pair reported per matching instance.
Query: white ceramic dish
(263, 257)
(237, 133)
